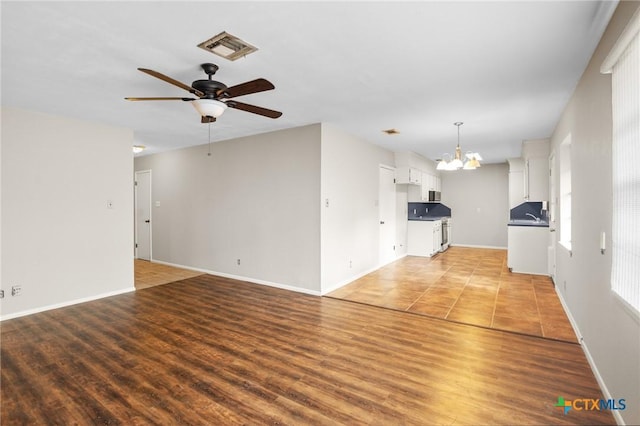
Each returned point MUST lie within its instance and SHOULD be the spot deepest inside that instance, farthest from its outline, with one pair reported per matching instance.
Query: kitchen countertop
(528, 222)
(428, 218)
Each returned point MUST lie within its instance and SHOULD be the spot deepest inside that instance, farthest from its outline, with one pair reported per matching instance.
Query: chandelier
(471, 160)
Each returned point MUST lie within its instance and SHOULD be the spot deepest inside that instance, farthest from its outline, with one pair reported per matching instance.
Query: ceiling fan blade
(160, 99)
(254, 109)
(170, 80)
(254, 86)
(207, 119)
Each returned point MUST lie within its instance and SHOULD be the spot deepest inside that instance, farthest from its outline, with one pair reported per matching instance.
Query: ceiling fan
(214, 97)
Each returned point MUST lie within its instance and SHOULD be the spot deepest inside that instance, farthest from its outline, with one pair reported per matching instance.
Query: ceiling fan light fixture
(227, 46)
(209, 107)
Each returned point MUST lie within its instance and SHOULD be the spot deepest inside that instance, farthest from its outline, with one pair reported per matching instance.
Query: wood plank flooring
(209, 350)
(150, 274)
(467, 285)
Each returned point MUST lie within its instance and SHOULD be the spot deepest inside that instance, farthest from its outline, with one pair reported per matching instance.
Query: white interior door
(387, 210)
(143, 214)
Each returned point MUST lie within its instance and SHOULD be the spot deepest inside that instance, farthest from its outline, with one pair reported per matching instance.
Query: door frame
(135, 213)
(382, 261)
(552, 215)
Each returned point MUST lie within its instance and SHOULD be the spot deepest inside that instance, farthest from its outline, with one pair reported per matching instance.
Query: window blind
(625, 271)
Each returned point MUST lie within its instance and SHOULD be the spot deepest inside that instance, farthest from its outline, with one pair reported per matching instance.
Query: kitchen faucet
(536, 218)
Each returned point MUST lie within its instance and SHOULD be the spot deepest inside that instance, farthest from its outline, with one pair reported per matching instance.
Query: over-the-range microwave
(434, 196)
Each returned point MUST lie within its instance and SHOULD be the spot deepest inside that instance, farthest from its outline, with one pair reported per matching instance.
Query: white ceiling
(505, 69)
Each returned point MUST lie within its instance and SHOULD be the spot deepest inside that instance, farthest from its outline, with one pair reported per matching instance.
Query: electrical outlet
(238, 261)
(1, 294)
(16, 290)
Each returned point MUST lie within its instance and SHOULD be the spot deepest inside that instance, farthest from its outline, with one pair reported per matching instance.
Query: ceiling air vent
(391, 131)
(228, 46)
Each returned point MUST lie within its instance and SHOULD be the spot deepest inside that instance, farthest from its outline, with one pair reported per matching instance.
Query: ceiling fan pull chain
(209, 153)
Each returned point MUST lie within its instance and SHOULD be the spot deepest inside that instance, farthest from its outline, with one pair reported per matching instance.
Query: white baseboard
(243, 278)
(67, 303)
(583, 344)
(572, 321)
(478, 246)
(342, 283)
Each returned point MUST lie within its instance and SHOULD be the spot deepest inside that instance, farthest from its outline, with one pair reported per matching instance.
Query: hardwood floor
(467, 285)
(210, 350)
(150, 274)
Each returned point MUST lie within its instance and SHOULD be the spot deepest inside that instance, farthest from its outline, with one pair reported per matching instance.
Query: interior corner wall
(611, 334)
(254, 199)
(479, 202)
(60, 241)
(350, 221)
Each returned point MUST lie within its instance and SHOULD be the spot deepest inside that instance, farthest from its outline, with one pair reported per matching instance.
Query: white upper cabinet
(419, 173)
(536, 169)
(429, 183)
(409, 175)
(537, 179)
(516, 182)
(529, 175)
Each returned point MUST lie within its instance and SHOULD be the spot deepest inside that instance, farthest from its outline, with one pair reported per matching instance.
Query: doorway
(387, 213)
(142, 194)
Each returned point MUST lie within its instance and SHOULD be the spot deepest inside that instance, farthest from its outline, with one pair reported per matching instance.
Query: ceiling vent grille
(228, 46)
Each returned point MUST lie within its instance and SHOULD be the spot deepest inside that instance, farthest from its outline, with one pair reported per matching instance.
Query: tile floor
(150, 274)
(467, 285)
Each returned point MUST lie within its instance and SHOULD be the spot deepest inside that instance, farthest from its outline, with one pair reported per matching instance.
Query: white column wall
(60, 241)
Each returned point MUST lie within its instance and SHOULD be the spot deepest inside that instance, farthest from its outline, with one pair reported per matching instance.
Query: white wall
(59, 240)
(611, 334)
(350, 225)
(255, 199)
(479, 202)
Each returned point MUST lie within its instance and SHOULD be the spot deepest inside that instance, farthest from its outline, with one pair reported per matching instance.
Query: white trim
(478, 246)
(567, 246)
(135, 213)
(629, 32)
(386, 166)
(67, 303)
(626, 306)
(587, 354)
(355, 277)
(572, 321)
(242, 278)
(603, 387)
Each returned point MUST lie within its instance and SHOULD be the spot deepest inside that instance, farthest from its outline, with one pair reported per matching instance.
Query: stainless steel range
(446, 233)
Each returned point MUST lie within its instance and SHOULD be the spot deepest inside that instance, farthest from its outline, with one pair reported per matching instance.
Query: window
(553, 198)
(565, 193)
(624, 64)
